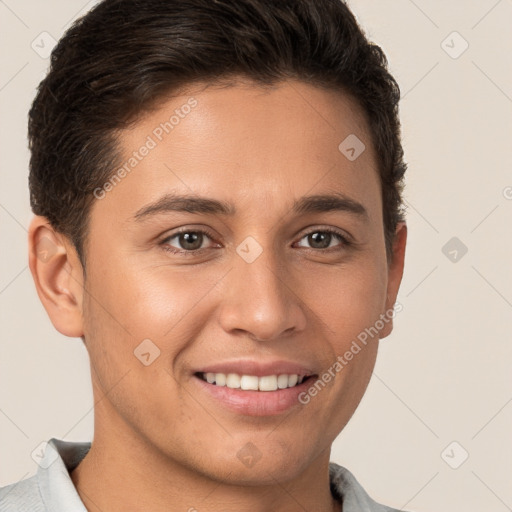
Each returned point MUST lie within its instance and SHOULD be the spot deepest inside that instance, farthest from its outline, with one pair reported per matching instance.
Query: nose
(261, 300)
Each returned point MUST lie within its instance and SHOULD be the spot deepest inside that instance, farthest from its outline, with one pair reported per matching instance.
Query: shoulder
(23, 496)
(346, 488)
(51, 488)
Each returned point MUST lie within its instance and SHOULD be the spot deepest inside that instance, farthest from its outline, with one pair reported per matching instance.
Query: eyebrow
(204, 205)
(328, 203)
(185, 203)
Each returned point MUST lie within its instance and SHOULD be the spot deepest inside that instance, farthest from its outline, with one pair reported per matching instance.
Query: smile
(253, 382)
(264, 394)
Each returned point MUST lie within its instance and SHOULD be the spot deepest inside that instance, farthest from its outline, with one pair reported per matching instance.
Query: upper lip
(257, 368)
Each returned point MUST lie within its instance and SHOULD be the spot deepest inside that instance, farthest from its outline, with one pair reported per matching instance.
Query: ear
(395, 273)
(58, 276)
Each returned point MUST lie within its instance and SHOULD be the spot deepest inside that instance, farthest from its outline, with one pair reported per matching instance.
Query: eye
(186, 241)
(324, 239)
(189, 241)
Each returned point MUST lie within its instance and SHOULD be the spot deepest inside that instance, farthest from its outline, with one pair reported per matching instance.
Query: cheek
(151, 302)
(349, 303)
(126, 309)
(348, 300)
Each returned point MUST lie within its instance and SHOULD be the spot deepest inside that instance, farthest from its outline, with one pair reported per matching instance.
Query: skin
(160, 442)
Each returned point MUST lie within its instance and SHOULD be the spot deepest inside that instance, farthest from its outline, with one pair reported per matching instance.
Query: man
(217, 189)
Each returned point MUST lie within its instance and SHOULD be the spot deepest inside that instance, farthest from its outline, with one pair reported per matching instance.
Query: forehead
(250, 145)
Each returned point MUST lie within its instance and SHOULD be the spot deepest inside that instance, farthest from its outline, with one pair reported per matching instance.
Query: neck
(123, 471)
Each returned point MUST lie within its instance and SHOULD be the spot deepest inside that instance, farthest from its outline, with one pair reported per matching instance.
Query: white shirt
(51, 488)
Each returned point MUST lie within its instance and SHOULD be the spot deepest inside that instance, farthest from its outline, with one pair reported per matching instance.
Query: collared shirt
(51, 488)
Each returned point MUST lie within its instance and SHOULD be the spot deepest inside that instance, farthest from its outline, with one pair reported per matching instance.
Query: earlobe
(395, 273)
(58, 276)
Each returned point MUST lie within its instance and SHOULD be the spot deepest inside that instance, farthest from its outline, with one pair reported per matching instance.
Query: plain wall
(444, 373)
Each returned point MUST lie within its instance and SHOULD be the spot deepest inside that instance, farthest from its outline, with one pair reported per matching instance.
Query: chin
(261, 461)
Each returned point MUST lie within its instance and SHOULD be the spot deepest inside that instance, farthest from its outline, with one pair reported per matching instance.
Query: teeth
(282, 381)
(267, 383)
(233, 381)
(249, 382)
(253, 383)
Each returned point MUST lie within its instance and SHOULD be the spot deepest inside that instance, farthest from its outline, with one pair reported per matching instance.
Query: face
(241, 249)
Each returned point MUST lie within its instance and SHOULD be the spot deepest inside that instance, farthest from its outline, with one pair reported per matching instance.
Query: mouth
(246, 394)
(265, 383)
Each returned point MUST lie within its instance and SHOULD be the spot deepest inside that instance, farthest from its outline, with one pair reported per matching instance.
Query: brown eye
(190, 241)
(323, 239)
(186, 241)
(319, 240)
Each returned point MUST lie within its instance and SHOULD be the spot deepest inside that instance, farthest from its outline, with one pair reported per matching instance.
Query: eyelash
(345, 243)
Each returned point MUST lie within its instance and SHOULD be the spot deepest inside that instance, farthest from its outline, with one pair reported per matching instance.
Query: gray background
(443, 376)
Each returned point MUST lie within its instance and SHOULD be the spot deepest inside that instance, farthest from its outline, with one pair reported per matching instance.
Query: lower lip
(255, 403)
